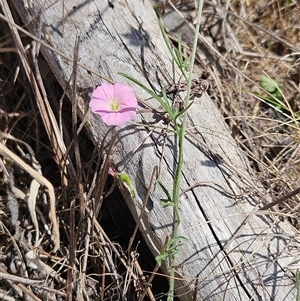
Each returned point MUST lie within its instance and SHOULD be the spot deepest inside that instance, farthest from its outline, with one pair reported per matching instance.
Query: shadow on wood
(234, 251)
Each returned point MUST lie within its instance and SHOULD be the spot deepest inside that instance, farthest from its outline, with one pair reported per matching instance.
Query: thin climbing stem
(177, 178)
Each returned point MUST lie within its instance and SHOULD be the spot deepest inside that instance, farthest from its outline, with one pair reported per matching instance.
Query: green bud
(126, 180)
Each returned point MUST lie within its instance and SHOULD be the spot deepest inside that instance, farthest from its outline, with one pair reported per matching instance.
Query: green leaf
(165, 203)
(166, 39)
(175, 242)
(126, 180)
(161, 257)
(270, 85)
(275, 96)
(176, 53)
(273, 103)
(171, 250)
(168, 201)
(167, 103)
(178, 114)
(163, 102)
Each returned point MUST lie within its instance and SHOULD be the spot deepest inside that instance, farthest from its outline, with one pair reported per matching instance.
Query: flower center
(115, 105)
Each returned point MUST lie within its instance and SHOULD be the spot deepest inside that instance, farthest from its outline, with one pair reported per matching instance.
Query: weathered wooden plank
(233, 257)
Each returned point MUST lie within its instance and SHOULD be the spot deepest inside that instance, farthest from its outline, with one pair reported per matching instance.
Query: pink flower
(112, 172)
(116, 103)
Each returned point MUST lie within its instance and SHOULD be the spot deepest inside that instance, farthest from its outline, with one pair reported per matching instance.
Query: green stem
(177, 178)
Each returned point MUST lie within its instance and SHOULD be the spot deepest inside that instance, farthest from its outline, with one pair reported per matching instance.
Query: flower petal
(113, 118)
(126, 96)
(127, 114)
(97, 105)
(123, 92)
(105, 94)
(129, 103)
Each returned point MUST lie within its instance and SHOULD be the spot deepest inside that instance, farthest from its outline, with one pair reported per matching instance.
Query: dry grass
(94, 259)
(253, 41)
(269, 41)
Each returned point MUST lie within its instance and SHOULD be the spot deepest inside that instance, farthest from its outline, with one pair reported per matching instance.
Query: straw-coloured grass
(50, 169)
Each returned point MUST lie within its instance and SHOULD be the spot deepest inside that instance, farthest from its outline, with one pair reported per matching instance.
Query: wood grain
(234, 253)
